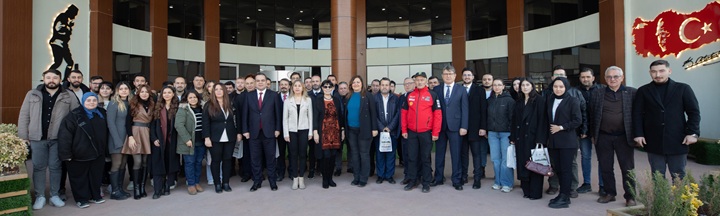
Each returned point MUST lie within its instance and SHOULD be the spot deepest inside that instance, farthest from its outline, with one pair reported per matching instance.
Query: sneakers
(56, 201)
(496, 187)
(584, 188)
(506, 189)
(98, 201)
(39, 203)
(83, 205)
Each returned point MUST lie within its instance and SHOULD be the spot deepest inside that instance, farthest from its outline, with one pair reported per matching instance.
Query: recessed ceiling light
(437, 17)
(423, 8)
(259, 9)
(383, 9)
(171, 7)
(399, 17)
(287, 18)
(300, 20)
(301, 11)
(247, 17)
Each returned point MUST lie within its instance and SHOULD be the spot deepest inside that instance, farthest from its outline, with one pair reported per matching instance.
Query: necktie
(447, 95)
(260, 107)
(284, 97)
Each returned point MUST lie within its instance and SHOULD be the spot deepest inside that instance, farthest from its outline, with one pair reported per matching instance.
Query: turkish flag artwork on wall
(671, 33)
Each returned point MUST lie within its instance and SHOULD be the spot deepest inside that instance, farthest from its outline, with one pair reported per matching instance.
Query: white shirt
(284, 96)
(446, 89)
(259, 93)
(467, 87)
(385, 103)
(556, 103)
(224, 137)
(488, 93)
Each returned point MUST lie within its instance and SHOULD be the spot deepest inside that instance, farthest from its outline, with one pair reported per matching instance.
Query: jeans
(359, 155)
(386, 161)
(484, 149)
(193, 165)
(499, 142)
(586, 147)
(45, 157)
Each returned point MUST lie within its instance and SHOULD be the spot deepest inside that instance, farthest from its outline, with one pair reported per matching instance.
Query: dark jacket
(663, 122)
(500, 112)
(392, 121)
(368, 115)
(477, 112)
(238, 103)
(157, 160)
(595, 107)
(574, 92)
(319, 116)
(81, 140)
(270, 114)
(567, 115)
(529, 126)
(213, 126)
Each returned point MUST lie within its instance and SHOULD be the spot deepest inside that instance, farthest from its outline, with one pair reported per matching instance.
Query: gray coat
(30, 118)
(117, 121)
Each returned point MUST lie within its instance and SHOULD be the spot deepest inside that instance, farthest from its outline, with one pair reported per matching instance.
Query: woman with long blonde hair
(297, 122)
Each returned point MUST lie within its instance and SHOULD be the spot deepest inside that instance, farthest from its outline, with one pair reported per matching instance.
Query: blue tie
(447, 95)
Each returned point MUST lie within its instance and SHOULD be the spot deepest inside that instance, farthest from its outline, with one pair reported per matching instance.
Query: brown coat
(30, 118)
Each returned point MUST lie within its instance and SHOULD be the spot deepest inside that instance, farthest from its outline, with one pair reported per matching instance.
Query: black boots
(116, 187)
(561, 201)
(159, 186)
(121, 178)
(143, 179)
(137, 193)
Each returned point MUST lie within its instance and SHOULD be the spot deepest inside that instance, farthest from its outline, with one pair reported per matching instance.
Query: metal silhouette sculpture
(60, 40)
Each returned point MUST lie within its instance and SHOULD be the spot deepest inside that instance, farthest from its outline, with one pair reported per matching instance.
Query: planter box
(626, 211)
(706, 152)
(14, 195)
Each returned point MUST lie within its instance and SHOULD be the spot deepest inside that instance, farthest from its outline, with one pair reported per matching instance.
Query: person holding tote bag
(528, 129)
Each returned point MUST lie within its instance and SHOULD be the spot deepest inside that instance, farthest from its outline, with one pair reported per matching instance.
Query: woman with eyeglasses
(499, 117)
(297, 122)
(328, 131)
(359, 116)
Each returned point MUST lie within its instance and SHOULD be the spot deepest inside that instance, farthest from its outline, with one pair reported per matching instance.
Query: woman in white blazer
(297, 122)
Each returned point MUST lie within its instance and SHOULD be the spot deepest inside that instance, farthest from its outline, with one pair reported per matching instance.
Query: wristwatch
(694, 135)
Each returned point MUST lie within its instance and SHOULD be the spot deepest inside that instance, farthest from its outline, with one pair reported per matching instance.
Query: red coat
(421, 112)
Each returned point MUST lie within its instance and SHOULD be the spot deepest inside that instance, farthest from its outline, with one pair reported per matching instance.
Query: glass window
(132, 13)
(543, 13)
(126, 66)
(420, 25)
(441, 24)
(486, 18)
(229, 21)
(187, 69)
(185, 19)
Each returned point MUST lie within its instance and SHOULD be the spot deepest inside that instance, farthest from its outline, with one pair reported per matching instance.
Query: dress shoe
(562, 201)
(338, 172)
(630, 202)
(199, 188)
(458, 187)
(410, 186)
(332, 183)
(526, 196)
(192, 190)
(245, 179)
(477, 184)
(218, 188)
(362, 184)
(573, 194)
(602, 192)
(606, 199)
(279, 178)
(405, 181)
(436, 183)
(156, 196)
(584, 188)
(379, 180)
(354, 182)
(551, 191)
(311, 174)
(464, 180)
(255, 187)
(391, 180)
(273, 187)
(534, 198)
(226, 187)
(426, 189)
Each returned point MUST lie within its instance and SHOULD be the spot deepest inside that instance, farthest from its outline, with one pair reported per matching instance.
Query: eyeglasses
(613, 77)
(327, 87)
(409, 83)
(448, 74)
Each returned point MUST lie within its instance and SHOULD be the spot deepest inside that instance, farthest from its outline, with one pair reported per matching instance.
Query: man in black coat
(659, 121)
(610, 124)
(471, 142)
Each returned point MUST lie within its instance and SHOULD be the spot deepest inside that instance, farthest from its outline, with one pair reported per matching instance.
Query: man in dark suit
(454, 105)
(388, 120)
(314, 93)
(659, 120)
(476, 120)
(284, 86)
(610, 129)
(261, 124)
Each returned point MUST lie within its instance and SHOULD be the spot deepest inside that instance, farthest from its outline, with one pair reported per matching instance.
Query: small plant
(8, 128)
(662, 197)
(13, 152)
(710, 192)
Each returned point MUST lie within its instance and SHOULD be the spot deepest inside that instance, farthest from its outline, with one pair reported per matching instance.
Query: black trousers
(85, 178)
(373, 150)
(606, 148)
(563, 167)
(418, 149)
(221, 153)
(263, 147)
(533, 186)
(328, 163)
(280, 167)
(246, 160)
(311, 157)
(298, 153)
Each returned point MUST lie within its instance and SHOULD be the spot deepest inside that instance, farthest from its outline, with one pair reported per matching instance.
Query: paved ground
(385, 199)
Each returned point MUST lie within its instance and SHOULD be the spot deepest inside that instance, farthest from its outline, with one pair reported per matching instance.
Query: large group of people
(94, 135)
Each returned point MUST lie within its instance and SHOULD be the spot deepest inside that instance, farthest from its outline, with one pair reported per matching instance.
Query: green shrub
(706, 152)
(661, 197)
(710, 194)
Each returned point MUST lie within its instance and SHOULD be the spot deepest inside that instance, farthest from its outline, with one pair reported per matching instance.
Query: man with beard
(375, 86)
(313, 94)
(38, 123)
(199, 85)
(284, 86)
(432, 82)
(409, 85)
(180, 86)
(308, 83)
(342, 90)
(475, 141)
(587, 79)
(95, 84)
(74, 84)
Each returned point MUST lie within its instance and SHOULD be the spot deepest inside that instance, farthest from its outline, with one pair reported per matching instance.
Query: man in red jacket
(420, 119)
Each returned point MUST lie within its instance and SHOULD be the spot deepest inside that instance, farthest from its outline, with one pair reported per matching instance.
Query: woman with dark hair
(220, 135)
(297, 122)
(138, 140)
(515, 91)
(563, 116)
(328, 131)
(359, 119)
(105, 94)
(207, 94)
(499, 116)
(118, 117)
(188, 123)
(164, 161)
(82, 143)
(528, 129)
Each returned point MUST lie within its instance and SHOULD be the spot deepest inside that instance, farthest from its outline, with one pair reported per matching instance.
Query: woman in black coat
(360, 122)
(323, 124)
(564, 117)
(164, 161)
(82, 144)
(528, 128)
(220, 134)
